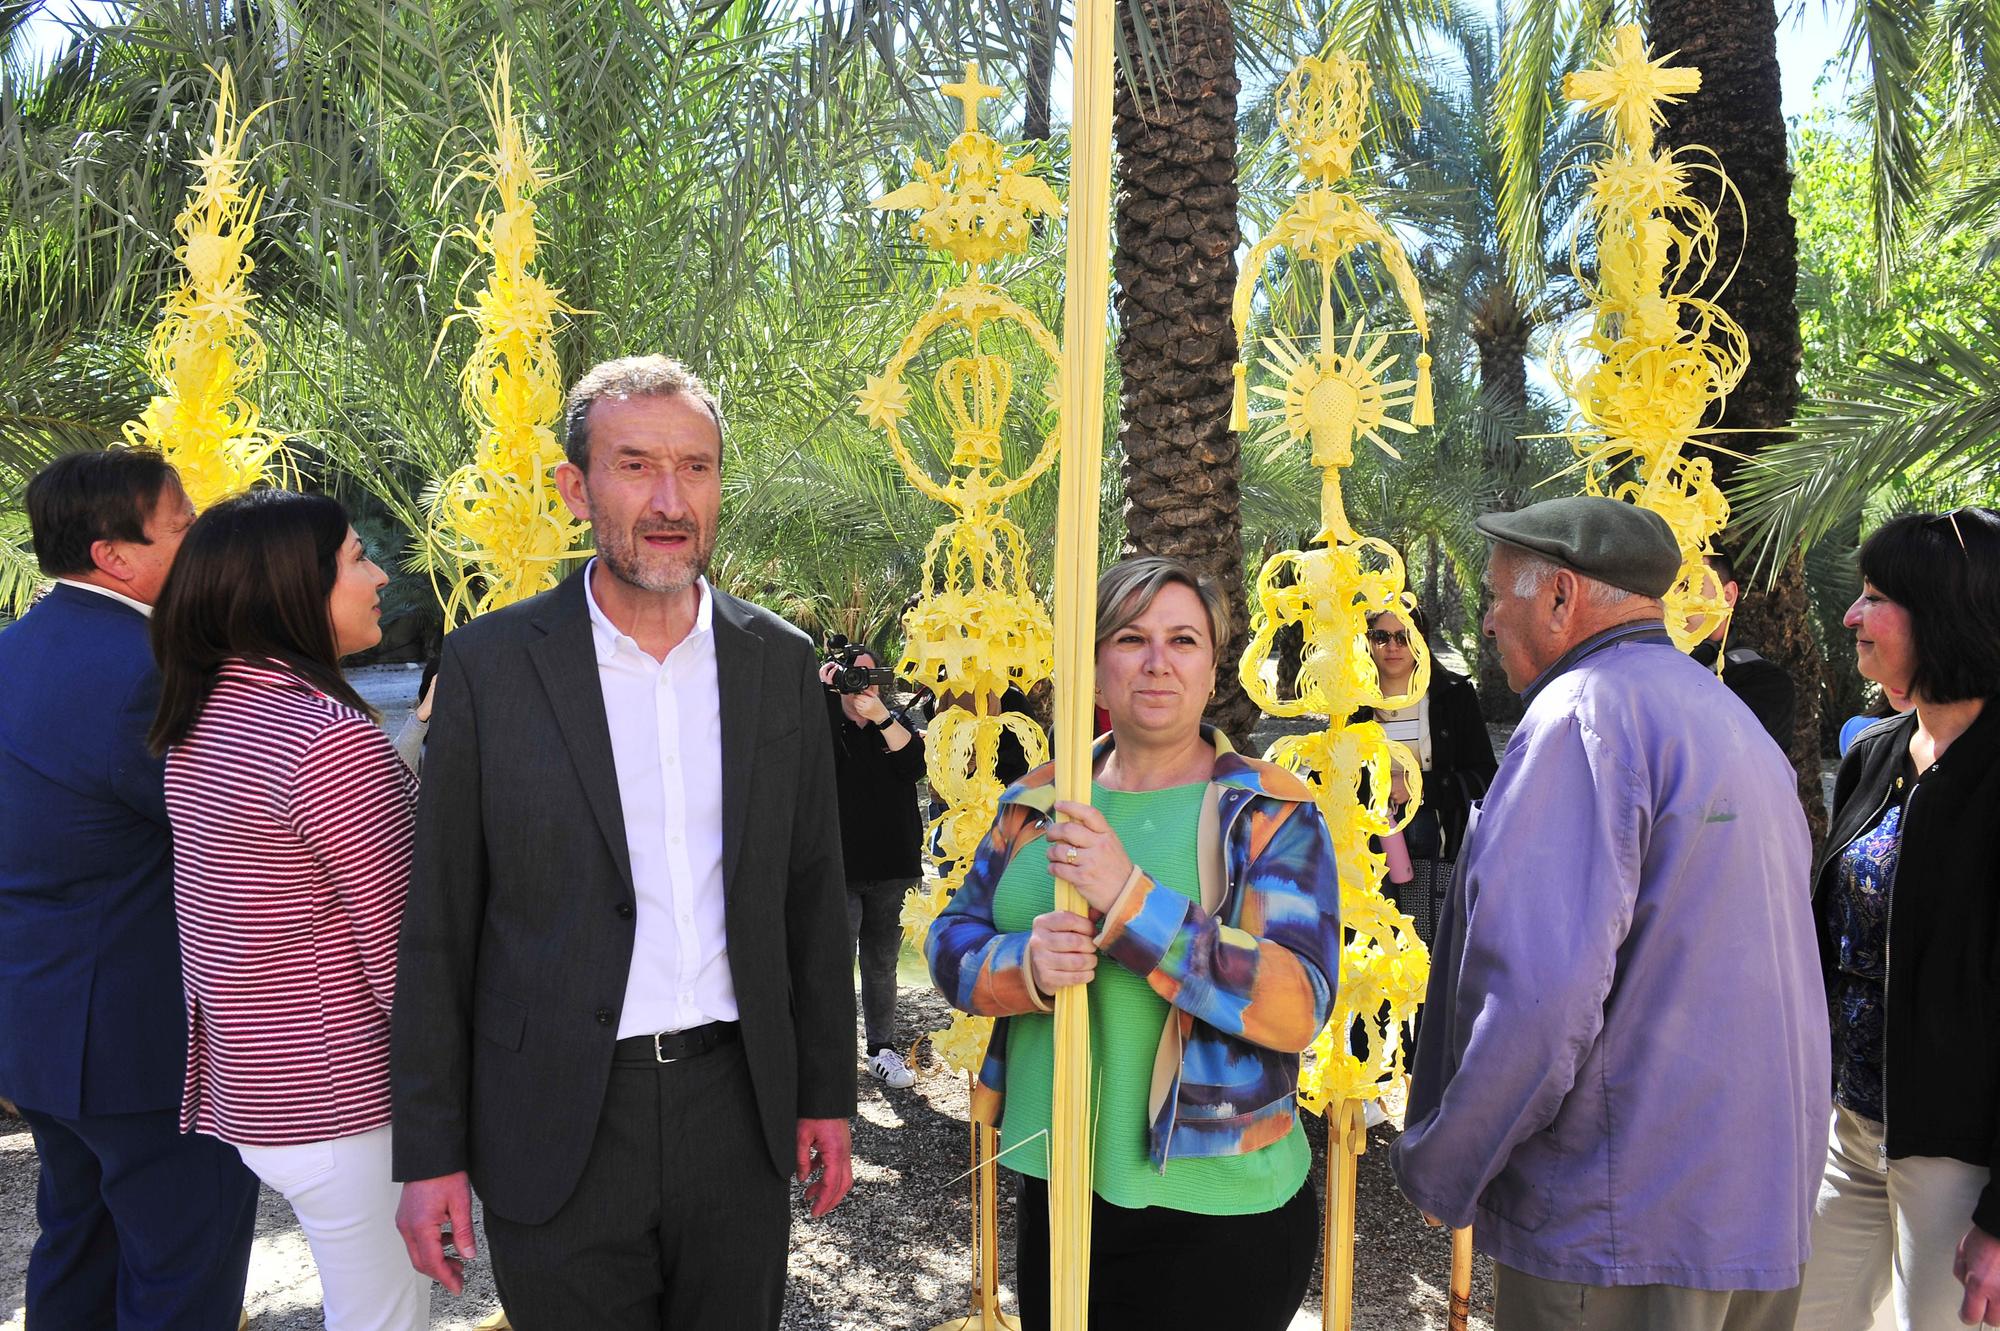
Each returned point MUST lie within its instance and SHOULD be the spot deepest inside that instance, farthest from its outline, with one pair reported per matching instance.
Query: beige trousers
(1883, 1227)
(1522, 1302)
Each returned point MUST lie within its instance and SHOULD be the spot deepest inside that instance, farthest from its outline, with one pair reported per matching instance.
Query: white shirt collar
(119, 597)
(606, 635)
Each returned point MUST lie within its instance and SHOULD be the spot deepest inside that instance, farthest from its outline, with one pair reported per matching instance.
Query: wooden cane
(985, 1314)
(1346, 1139)
(1461, 1278)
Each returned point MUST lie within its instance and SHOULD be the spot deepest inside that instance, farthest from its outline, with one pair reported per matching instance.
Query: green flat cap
(1626, 546)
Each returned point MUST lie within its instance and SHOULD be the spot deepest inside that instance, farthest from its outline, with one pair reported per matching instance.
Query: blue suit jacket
(92, 1019)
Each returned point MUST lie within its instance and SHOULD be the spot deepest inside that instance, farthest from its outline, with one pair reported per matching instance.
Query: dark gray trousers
(679, 1223)
(1529, 1303)
(875, 923)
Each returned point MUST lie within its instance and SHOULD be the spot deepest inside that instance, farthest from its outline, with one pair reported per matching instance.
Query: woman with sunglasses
(1448, 735)
(1906, 897)
(293, 819)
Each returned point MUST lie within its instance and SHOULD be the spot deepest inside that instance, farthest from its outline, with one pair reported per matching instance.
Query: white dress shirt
(119, 597)
(666, 743)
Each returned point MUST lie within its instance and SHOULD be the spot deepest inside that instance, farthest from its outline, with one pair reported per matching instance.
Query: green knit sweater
(1126, 1018)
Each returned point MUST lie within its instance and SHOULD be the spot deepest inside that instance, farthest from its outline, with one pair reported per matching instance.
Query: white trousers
(345, 1201)
(1883, 1227)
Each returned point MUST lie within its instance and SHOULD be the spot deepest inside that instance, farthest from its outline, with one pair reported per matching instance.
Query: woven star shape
(1631, 90)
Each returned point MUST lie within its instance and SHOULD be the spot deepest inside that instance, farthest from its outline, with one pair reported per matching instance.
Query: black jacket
(517, 935)
(1462, 764)
(1763, 686)
(1941, 1061)
(881, 832)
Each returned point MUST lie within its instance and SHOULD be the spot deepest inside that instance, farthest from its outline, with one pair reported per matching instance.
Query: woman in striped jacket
(292, 820)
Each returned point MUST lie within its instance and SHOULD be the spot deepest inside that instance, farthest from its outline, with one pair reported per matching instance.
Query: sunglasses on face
(1382, 637)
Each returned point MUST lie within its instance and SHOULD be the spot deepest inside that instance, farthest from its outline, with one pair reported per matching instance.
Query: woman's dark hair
(251, 582)
(83, 498)
(1944, 569)
(1414, 618)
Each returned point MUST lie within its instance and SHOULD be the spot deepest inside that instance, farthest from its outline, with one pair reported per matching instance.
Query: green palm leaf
(1929, 415)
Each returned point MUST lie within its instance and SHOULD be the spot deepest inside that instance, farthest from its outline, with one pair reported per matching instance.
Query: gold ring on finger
(1070, 852)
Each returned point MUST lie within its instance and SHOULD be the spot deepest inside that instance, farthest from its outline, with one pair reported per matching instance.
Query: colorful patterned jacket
(1249, 971)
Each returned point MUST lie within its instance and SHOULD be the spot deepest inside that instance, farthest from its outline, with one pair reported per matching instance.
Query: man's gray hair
(628, 376)
(1532, 573)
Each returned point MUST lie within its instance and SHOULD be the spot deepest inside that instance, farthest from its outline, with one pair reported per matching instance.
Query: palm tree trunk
(1738, 114)
(1175, 135)
(1500, 336)
(1041, 70)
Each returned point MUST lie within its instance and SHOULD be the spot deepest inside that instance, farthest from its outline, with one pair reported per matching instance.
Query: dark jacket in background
(1941, 1062)
(1763, 686)
(1462, 763)
(91, 1015)
(881, 831)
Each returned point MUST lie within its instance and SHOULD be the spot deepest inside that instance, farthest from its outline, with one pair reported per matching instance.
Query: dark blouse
(1865, 878)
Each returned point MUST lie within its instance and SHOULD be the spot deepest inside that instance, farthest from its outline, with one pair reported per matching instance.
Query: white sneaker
(889, 1068)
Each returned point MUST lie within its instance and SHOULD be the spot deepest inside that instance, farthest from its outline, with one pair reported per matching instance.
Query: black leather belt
(668, 1046)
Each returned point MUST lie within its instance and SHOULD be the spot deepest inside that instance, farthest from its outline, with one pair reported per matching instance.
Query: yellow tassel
(1421, 412)
(1239, 403)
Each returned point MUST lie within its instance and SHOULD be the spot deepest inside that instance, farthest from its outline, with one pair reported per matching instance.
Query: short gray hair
(1127, 590)
(1532, 573)
(628, 376)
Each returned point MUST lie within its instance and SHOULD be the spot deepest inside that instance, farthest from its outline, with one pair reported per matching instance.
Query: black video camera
(849, 677)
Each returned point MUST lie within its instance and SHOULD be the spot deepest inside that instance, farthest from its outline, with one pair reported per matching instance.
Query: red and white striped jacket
(292, 820)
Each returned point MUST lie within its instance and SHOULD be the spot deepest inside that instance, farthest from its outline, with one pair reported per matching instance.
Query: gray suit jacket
(518, 933)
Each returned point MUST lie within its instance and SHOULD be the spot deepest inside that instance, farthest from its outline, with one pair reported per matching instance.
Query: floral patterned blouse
(1861, 904)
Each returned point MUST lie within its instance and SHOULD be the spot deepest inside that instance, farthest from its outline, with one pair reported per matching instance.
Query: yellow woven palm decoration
(1332, 390)
(1661, 358)
(978, 626)
(205, 353)
(499, 521)
(1343, 389)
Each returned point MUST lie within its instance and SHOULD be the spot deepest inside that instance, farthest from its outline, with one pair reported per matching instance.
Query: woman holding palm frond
(1214, 907)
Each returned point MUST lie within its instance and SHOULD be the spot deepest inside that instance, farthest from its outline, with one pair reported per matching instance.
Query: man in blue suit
(141, 1225)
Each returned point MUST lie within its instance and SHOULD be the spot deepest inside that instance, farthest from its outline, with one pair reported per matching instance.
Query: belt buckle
(659, 1054)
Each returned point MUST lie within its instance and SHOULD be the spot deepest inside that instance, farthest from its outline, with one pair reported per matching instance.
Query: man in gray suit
(623, 1011)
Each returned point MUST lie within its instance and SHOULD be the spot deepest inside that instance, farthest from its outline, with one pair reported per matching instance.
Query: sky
(1807, 43)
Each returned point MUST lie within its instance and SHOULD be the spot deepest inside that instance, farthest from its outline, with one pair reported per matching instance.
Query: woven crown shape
(974, 391)
(1322, 107)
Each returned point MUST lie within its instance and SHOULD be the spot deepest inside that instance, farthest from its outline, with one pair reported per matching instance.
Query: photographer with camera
(878, 758)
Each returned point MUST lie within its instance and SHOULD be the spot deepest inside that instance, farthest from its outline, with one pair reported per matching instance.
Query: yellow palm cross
(1631, 89)
(971, 92)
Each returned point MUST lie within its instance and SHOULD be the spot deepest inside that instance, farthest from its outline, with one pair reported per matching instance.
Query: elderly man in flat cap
(1622, 1078)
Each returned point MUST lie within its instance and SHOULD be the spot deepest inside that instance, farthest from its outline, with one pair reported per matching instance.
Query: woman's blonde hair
(1127, 589)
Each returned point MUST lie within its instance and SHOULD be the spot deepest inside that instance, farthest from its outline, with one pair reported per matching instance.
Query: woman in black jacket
(1906, 898)
(1448, 735)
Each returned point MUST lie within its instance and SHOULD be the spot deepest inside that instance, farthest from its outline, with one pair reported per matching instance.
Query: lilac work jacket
(1622, 1077)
